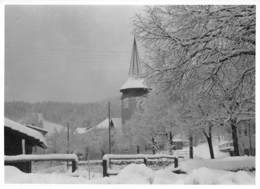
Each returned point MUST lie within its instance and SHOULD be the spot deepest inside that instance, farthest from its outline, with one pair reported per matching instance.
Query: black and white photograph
(129, 94)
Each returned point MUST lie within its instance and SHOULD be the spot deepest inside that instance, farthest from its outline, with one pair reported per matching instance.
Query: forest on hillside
(75, 114)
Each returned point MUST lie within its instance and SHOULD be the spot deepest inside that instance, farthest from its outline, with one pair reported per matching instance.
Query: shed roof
(41, 130)
(31, 133)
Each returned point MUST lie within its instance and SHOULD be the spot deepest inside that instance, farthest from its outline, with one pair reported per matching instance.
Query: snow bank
(205, 175)
(140, 174)
(135, 174)
(13, 175)
(229, 163)
(11, 171)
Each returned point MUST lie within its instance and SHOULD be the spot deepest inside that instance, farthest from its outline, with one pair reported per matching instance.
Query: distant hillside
(63, 113)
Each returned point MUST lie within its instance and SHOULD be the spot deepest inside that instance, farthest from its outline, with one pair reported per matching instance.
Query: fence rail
(44, 157)
(144, 157)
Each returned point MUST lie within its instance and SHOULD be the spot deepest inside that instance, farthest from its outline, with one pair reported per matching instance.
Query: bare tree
(211, 48)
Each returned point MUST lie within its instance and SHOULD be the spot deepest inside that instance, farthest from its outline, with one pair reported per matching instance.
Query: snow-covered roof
(27, 131)
(80, 130)
(104, 123)
(134, 83)
(179, 140)
(43, 131)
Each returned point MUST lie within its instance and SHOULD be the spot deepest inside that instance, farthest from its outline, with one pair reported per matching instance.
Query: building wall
(246, 137)
(129, 102)
(13, 146)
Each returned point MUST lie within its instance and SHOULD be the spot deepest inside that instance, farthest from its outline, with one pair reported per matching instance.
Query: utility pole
(68, 138)
(68, 142)
(170, 143)
(191, 146)
(250, 141)
(109, 130)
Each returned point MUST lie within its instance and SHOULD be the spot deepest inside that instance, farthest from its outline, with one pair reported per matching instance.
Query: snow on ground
(14, 175)
(134, 174)
(200, 170)
(228, 163)
(202, 151)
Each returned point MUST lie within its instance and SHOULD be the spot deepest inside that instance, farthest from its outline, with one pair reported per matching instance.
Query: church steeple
(133, 88)
(135, 67)
(134, 81)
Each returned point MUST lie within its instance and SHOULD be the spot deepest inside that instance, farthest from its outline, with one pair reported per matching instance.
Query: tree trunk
(209, 140)
(234, 137)
(191, 147)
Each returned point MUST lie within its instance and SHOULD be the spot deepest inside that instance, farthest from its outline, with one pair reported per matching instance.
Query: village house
(20, 139)
(246, 137)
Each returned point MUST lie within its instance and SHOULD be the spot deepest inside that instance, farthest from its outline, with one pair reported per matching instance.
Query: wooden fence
(12, 160)
(106, 163)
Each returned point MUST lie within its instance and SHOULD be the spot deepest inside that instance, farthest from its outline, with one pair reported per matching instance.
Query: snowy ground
(201, 170)
(135, 174)
(202, 151)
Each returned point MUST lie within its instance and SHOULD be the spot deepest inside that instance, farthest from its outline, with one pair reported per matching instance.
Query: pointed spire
(135, 67)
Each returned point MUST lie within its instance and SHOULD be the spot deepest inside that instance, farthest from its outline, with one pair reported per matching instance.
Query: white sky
(75, 53)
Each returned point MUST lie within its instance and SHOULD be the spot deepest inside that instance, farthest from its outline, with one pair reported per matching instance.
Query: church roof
(134, 83)
(134, 80)
(135, 67)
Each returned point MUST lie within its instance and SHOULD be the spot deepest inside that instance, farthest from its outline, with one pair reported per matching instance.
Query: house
(20, 139)
(102, 125)
(246, 136)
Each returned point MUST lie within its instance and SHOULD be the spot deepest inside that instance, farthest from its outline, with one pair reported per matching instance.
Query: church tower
(133, 88)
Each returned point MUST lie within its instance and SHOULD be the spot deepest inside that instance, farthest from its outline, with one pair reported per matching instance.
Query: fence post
(104, 165)
(175, 162)
(145, 161)
(74, 165)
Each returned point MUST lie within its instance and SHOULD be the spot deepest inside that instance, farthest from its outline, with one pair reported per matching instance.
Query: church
(133, 88)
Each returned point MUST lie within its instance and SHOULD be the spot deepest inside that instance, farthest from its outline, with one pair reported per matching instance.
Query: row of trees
(200, 61)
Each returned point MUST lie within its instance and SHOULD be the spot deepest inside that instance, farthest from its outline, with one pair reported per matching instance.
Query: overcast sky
(67, 53)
